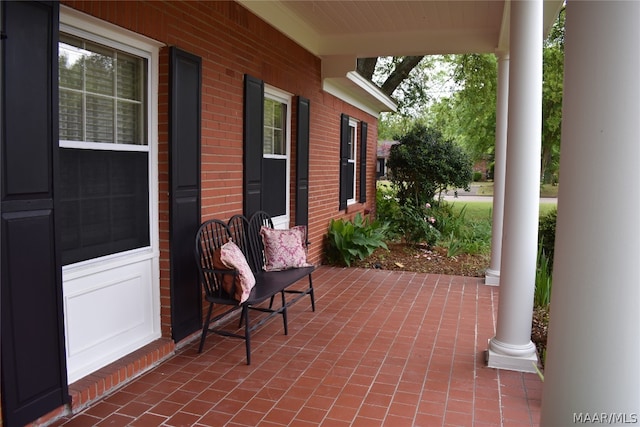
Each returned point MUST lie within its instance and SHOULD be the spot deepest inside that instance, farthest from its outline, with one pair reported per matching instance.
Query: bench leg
(244, 308)
(313, 299)
(205, 328)
(247, 333)
(284, 313)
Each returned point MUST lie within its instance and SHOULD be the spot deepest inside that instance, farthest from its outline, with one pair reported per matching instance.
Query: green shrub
(424, 164)
(477, 176)
(387, 205)
(447, 220)
(547, 234)
(416, 225)
(413, 224)
(462, 235)
(348, 240)
(542, 295)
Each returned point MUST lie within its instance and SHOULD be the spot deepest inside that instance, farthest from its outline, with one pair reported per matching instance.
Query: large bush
(424, 164)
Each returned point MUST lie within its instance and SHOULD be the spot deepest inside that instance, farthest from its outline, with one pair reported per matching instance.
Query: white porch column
(492, 275)
(512, 348)
(592, 367)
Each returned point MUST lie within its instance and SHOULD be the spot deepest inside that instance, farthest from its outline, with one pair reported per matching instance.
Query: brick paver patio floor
(382, 349)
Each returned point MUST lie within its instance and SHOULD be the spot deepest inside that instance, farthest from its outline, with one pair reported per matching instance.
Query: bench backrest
(256, 248)
(211, 235)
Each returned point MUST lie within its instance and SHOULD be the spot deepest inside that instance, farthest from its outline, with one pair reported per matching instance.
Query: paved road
(471, 198)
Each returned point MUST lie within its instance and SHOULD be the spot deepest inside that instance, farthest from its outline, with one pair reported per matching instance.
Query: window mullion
(84, 94)
(115, 97)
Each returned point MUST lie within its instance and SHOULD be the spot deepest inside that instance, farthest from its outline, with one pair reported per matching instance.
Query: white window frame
(115, 271)
(279, 95)
(92, 29)
(353, 155)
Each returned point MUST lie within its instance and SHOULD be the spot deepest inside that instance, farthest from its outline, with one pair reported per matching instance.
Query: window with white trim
(276, 154)
(104, 148)
(352, 142)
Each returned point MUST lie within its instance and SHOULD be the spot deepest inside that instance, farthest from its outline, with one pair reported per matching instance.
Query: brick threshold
(108, 379)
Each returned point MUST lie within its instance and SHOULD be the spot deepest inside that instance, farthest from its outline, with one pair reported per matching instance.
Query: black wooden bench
(219, 282)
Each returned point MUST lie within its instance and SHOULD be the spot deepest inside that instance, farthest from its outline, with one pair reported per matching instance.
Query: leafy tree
(469, 115)
(405, 78)
(552, 84)
(424, 164)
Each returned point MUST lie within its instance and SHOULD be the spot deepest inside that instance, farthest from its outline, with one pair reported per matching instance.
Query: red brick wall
(231, 42)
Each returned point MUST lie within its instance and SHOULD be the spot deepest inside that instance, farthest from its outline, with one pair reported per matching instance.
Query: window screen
(104, 202)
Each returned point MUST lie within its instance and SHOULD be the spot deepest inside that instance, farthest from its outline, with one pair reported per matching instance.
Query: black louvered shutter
(253, 129)
(344, 161)
(34, 377)
(302, 162)
(184, 159)
(363, 162)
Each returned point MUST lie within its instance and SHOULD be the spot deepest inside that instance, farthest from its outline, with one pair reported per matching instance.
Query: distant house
(384, 148)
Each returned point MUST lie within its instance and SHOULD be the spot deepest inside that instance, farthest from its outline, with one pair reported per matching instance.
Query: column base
(492, 277)
(513, 358)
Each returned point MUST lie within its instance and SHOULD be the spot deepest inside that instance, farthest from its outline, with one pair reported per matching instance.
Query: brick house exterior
(230, 43)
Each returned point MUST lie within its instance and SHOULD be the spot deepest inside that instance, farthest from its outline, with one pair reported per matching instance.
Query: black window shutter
(253, 129)
(302, 162)
(34, 377)
(184, 159)
(344, 160)
(363, 162)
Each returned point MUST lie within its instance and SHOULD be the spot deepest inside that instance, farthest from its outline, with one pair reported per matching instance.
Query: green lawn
(482, 210)
(486, 189)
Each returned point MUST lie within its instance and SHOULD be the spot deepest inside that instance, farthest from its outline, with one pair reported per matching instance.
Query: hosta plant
(348, 240)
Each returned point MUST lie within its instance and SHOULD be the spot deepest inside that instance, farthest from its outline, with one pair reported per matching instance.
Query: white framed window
(106, 159)
(353, 151)
(276, 151)
(107, 190)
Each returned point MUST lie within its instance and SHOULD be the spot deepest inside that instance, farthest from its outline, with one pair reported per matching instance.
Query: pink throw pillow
(284, 249)
(232, 257)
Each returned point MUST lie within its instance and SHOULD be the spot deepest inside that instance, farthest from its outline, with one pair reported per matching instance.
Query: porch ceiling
(394, 27)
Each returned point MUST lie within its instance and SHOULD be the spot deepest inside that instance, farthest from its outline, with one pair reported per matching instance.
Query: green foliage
(424, 164)
(408, 222)
(462, 234)
(387, 206)
(477, 176)
(547, 234)
(416, 225)
(552, 89)
(544, 271)
(542, 295)
(348, 240)
(449, 220)
(469, 115)
(414, 90)
(471, 237)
